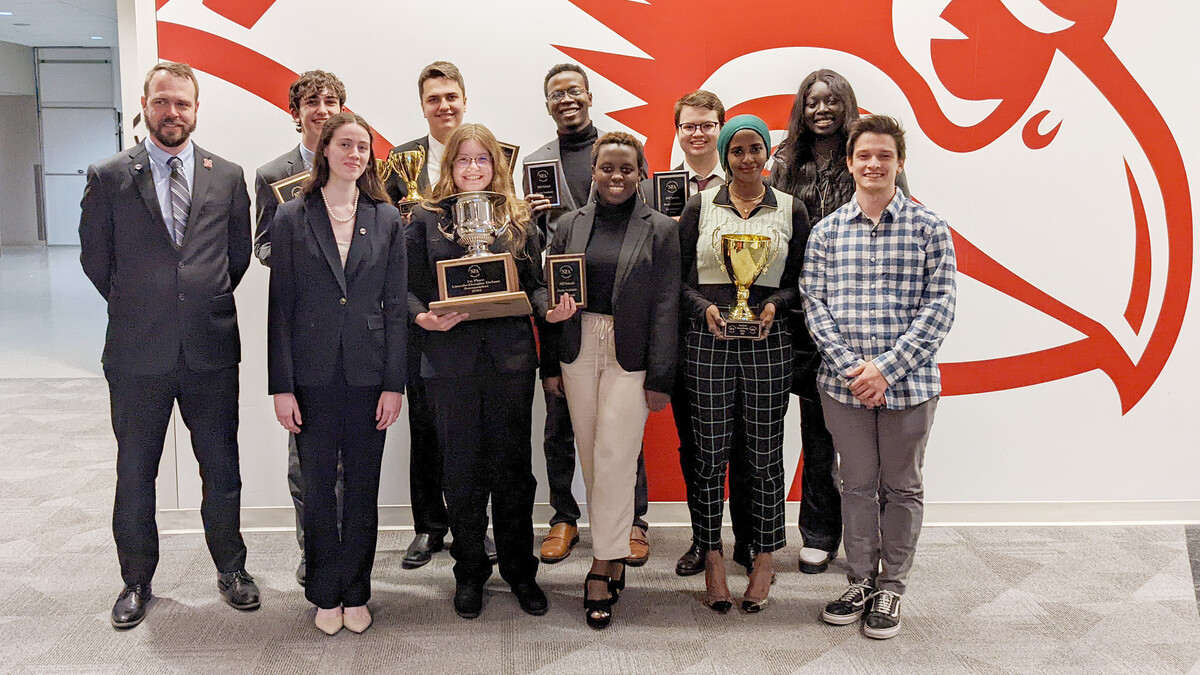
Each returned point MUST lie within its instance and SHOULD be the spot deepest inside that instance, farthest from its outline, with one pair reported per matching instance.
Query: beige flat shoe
(357, 622)
(329, 623)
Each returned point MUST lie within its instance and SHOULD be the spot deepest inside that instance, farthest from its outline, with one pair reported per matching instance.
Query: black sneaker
(847, 608)
(883, 618)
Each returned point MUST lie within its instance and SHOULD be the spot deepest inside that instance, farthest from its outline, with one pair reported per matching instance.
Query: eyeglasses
(482, 161)
(688, 128)
(573, 92)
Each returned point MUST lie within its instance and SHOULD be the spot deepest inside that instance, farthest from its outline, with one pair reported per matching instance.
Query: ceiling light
(97, 37)
(20, 24)
(5, 13)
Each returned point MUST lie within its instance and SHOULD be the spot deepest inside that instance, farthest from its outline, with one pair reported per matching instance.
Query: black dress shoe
(531, 597)
(238, 589)
(130, 607)
(421, 550)
(468, 600)
(302, 571)
(489, 549)
(691, 562)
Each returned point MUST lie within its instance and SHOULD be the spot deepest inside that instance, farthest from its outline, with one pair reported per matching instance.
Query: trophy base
(485, 305)
(744, 329)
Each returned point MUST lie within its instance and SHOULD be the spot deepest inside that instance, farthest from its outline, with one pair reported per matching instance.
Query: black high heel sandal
(598, 613)
(615, 586)
(720, 604)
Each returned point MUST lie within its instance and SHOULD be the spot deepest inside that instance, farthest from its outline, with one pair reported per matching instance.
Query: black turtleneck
(603, 250)
(575, 149)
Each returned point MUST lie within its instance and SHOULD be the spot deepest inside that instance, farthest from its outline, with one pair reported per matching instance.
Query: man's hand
(656, 400)
(868, 384)
(287, 411)
(537, 203)
(564, 310)
(554, 386)
(434, 323)
(388, 409)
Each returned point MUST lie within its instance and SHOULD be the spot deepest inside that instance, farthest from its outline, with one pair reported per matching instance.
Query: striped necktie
(181, 200)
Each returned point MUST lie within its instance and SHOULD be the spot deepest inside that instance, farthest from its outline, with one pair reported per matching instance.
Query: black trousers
(339, 424)
(739, 490)
(425, 485)
(559, 447)
(484, 422)
(820, 501)
(141, 409)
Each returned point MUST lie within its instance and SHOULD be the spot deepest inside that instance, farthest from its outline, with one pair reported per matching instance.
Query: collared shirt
(434, 161)
(715, 178)
(883, 292)
(162, 176)
(307, 156)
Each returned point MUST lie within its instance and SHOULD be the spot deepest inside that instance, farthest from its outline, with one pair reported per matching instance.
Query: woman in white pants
(615, 359)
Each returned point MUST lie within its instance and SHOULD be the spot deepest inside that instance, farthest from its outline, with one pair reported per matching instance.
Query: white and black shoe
(883, 617)
(815, 560)
(849, 607)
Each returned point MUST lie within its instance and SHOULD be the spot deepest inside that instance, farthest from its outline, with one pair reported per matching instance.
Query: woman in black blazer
(480, 379)
(337, 339)
(615, 361)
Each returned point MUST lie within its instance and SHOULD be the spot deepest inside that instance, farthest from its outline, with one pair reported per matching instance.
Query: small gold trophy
(743, 257)
(408, 165)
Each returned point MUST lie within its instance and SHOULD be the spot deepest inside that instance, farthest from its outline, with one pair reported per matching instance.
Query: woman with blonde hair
(480, 378)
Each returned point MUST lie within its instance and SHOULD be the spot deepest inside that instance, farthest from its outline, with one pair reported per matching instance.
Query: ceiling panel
(59, 23)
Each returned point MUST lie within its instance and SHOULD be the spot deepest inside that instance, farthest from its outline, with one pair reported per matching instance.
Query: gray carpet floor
(981, 600)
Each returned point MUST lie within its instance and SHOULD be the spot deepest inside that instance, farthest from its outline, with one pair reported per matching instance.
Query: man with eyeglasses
(443, 101)
(313, 98)
(568, 100)
(699, 117)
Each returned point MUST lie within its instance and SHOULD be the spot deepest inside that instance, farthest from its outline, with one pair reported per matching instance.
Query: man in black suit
(443, 102)
(699, 117)
(165, 238)
(568, 100)
(312, 99)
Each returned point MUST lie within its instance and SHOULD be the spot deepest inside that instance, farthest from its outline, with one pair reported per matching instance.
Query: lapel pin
(208, 162)
(137, 167)
(362, 230)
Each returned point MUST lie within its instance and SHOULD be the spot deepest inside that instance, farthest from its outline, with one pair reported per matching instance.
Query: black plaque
(745, 330)
(670, 192)
(510, 155)
(566, 273)
(465, 278)
(542, 178)
(289, 188)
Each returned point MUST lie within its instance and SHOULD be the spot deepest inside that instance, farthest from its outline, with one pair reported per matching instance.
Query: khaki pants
(608, 411)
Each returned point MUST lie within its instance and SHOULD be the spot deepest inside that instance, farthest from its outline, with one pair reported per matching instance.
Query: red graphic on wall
(999, 59)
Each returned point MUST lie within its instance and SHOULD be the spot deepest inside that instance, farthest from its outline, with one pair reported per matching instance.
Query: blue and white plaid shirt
(880, 292)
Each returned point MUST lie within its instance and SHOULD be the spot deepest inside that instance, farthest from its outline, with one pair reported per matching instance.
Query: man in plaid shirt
(879, 294)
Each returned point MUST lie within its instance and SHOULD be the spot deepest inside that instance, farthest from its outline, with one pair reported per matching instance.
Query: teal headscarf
(735, 125)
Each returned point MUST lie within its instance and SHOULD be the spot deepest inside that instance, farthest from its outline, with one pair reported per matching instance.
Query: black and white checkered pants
(717, 371)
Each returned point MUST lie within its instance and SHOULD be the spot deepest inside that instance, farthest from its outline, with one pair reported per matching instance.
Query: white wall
(16, 69)
(18, 159)
(1060, 218)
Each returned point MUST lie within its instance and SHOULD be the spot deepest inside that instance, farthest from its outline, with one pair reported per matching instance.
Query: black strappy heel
(615, 586)
(597, 612)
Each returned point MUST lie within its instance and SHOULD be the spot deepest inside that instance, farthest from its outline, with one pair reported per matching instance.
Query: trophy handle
(449, 234)
(772, 251)
(717, 249)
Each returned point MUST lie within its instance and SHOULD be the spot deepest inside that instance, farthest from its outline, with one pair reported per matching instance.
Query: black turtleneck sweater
(575, 148)
(603, 251)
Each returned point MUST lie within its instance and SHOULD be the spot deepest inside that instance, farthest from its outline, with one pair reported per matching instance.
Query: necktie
(701, 183)
(181, 200)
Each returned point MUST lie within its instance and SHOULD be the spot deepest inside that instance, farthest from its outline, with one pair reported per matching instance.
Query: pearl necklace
(353, 211)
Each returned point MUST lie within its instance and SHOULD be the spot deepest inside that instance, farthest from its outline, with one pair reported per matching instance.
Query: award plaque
(542, 178)
(289, 188)
(482, 284)
(743, 257)
(670, 192)
(566, 273)
(510, 155)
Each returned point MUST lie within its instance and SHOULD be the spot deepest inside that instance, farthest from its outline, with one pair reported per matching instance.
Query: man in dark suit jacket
(443, 102)
(312, 99)
(568, 100)
(165, 238)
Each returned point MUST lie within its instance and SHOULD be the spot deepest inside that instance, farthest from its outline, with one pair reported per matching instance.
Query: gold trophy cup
(408, 165)
(743, 257)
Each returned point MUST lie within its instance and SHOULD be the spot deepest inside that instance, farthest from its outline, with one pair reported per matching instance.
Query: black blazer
(316, 308)
(508, 340)
(398, 189)
(288, 164)
(645, 295)
(161, 297)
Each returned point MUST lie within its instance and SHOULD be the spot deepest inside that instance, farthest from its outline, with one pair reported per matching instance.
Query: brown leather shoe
(639, 548)
(558, 544)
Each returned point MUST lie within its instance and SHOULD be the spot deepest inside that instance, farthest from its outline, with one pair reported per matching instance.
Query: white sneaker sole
(840, 619)
(882, 633)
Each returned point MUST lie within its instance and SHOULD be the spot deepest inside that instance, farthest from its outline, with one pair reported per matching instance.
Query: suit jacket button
(181, 297)
(343, 300)
(180, 264)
